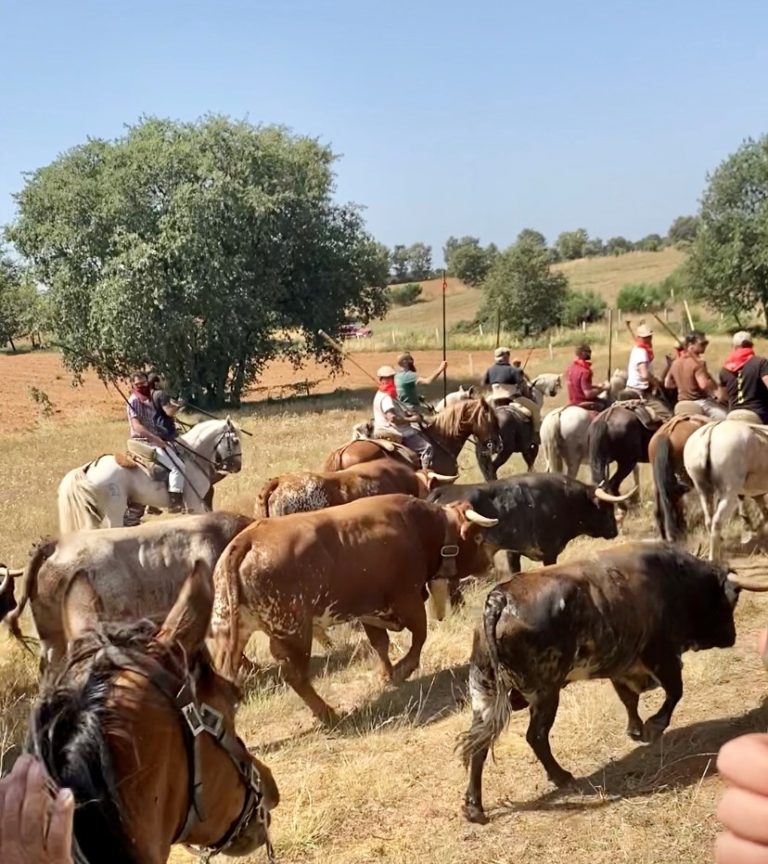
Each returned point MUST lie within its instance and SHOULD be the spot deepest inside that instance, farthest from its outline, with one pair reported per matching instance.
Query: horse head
(217, 442)
(130, 697)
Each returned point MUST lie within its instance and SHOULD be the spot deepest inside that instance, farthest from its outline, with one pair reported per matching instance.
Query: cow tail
(225, 619)
(491, 714)
(599, 457)
(262, 505)
(41, 554)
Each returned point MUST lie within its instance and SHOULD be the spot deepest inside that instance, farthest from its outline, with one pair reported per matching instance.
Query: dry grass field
(385, 786)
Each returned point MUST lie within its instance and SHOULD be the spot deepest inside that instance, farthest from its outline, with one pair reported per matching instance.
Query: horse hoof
(473, 813)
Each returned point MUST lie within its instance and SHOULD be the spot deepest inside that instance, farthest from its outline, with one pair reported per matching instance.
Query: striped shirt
(143, 411)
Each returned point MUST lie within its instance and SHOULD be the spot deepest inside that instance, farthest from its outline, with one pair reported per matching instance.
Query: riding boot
(177, 502)
(133, 514)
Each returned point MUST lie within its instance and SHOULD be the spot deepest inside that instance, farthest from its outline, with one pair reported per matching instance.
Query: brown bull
(136, 572)
(306, 491)
(372, 561)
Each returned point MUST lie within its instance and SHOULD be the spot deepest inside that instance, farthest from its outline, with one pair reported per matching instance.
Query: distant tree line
(24, 308)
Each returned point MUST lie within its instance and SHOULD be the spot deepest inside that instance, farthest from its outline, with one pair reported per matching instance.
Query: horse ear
(82, 607)
(187, 622)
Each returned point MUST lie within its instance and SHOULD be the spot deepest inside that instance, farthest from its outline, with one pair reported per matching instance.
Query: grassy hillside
(603, 275)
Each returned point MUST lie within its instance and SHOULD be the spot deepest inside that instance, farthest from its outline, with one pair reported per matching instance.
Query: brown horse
(671, 480)
(138, 725)
(448, 433)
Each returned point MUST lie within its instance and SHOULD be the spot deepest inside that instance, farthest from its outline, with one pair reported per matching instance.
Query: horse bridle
(198, 718)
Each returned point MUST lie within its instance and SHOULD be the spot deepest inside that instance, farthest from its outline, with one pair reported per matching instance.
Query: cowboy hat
(385, 372)
(644, 331)
(501, 351)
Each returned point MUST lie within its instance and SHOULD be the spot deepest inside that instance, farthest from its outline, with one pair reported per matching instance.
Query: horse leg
(723, 512)
(486, 464)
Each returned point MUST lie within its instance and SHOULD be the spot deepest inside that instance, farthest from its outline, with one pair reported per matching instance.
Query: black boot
(177, 502)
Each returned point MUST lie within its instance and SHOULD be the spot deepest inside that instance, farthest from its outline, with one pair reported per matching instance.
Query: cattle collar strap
(449, 552)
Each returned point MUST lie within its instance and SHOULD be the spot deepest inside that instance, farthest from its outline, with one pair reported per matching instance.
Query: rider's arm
(644, 372)
(443, 365)
(704, 379)
(399, 419)
(138, 428)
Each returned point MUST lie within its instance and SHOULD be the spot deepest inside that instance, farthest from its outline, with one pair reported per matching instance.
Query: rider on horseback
(142, 417)
(393, 421)
(407, 379)
(509, 385)
(578, 380)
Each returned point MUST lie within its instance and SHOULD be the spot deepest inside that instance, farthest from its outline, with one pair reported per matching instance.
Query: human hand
(443, 366)
(35, 825)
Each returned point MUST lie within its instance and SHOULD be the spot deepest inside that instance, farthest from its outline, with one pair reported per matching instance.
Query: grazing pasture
(385, 785)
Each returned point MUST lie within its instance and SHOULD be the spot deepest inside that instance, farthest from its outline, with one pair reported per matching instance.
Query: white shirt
(638, 355)
(382, 402)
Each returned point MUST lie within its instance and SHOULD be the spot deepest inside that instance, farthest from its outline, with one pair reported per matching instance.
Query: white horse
(457, 396)
(546, 384)
(97, 494)
(725, 460)
(564, 431)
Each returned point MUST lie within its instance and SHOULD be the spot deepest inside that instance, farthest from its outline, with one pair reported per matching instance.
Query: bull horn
(13, 574)
(602, 495)
(442, 478)
(746, 584)
(475, 517)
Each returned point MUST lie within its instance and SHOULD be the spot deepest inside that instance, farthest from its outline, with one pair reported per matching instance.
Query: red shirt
(578, 380)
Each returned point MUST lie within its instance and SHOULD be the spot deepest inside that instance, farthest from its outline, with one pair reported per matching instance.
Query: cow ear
(187, 622)
(82, 607)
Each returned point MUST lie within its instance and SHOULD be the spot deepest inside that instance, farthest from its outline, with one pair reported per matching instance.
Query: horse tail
(333, 460)
(670, 519)
(262, 505)
(599, 455)
(553, 443)
(78, 504)
(41, 554)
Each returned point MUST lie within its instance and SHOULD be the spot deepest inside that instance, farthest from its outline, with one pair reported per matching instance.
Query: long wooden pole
(445, 371)
(610, 344)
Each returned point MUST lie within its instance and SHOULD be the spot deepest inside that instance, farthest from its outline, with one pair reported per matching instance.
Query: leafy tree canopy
(683, 230)
(204, 249)
(467, 260)
(730, 254)
(523, 288)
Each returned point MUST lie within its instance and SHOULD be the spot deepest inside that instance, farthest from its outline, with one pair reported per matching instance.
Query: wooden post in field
(551, 350)
(471, 366)
(480, 328)
(498, 327)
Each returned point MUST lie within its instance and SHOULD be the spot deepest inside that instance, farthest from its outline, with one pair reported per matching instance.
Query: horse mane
(68, 732)
(449, 422)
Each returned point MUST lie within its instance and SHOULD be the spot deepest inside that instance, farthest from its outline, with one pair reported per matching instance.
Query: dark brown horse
(671, 480)
(137, 724)
(448, 433)
(621, 434)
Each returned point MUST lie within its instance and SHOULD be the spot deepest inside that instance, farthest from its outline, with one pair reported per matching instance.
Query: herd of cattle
(379, 543)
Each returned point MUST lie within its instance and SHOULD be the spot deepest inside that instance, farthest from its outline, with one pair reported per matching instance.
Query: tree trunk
(10, 342)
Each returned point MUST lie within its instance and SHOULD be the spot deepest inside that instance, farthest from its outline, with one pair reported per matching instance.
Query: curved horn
(442, 478)
(602, 495)
(746, 584)
(475, 517)
(13, 574)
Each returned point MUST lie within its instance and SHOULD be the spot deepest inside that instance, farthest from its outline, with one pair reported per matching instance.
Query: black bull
(539, 514)
(626, 614)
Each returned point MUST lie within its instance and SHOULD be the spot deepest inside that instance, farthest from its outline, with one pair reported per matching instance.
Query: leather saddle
(141, 456)
(515, 408)
(648, 414)
(364, 432)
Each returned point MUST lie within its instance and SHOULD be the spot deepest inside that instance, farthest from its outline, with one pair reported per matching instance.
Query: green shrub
(641, 297)
(406, 295)
(582, 306)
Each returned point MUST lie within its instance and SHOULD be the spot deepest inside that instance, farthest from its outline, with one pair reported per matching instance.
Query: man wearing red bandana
(745, 377)
(578, 382)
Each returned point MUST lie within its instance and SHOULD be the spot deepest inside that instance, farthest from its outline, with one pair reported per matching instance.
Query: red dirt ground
(44, 371)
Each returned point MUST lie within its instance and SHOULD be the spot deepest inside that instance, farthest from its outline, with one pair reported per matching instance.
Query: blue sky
(452, 118)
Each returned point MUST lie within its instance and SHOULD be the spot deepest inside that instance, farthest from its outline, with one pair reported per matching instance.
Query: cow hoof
(328, 718)
(564, 778)
(473, 813)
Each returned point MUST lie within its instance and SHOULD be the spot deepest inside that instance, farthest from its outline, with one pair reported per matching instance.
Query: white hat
(385, 372)
(741, 337)
(500, 351)
(644, 331)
